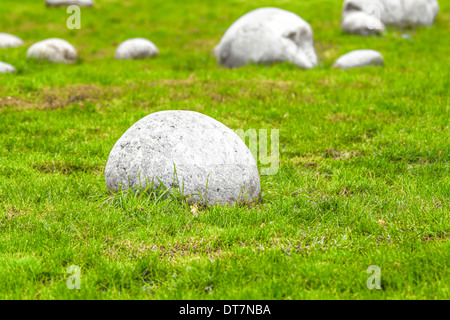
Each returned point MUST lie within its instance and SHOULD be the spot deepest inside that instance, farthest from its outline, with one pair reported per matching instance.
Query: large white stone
(9, 41)
(53, 50)
(5, 67)
(358, 59)
(398, 13)
(361, 23)
(137, 48)
(267, 35)
(66, 3)
(209, 158)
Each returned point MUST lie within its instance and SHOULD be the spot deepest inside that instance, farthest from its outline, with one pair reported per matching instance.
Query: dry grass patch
(58, 98)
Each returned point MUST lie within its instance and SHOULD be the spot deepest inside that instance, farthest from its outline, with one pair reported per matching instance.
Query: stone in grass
(9, 41)
(267, 35)
(53, 50)
(362, 24)
(358, 59)
(213, 165)
(4, 68)
(137, 48)
(399, 13)
(66, 3)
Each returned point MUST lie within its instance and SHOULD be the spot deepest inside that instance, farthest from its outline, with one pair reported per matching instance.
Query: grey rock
(137, 48)
(398, 13)
(209, 158)
(53, 50)
(267, 35)
(362, 23)
(9, 41)
(4, 68)
(358, 59)
(66, 3)
(407, 37)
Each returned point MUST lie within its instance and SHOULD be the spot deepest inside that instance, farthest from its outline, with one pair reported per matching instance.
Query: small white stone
(361, 23)
(66, 3)
(211, 160)
(5, 67)
(358, 59)
(53, 50)
(9, 41)
(406, 36)
(267, 35)
(137, 48)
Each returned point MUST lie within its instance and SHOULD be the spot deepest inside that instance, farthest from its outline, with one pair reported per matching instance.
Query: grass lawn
(363, 178)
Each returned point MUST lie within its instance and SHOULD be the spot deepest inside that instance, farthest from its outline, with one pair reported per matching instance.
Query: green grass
(363, 179)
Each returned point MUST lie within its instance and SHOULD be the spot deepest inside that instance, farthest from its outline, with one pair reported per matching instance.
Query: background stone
(5, 67)
(358, 59)
(9, 41)
(137, 48)
(267, 35)
(395, 12)
(361, 23)
(53, 50)
(66, 3)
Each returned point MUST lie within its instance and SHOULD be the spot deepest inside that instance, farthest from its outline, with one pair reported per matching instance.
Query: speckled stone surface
(9, 41)
(53, 50)
(137, 48)
(395, 12)
(5, 67)
(66, 3)
(208, 156)
(267, 35)
(359, 59)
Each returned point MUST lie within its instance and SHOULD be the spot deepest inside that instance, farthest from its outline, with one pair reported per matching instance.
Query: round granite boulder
(188, 152)
(267, 35)
(9, 41)
(53, 50)
(4, 68)
(137, 48)
(359, 59)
